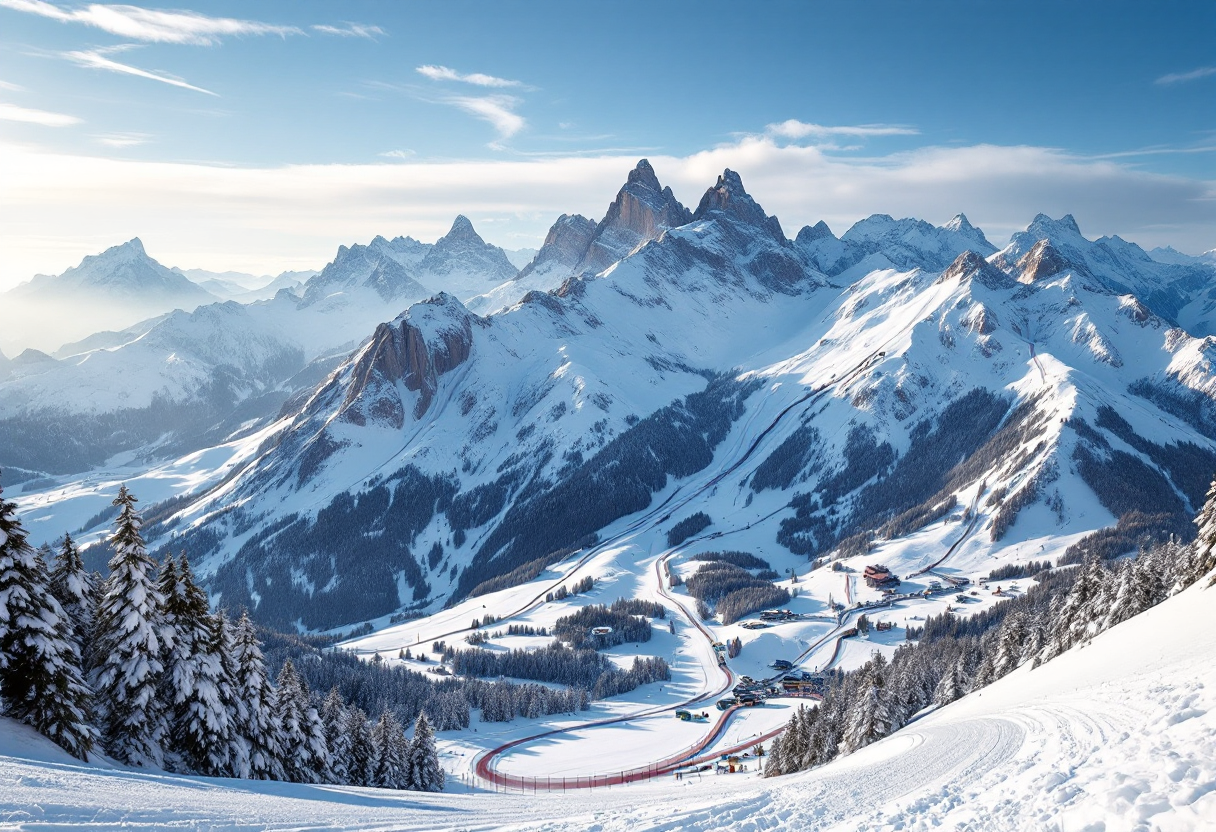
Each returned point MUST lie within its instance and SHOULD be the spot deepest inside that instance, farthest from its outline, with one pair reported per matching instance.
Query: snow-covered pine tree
(305, 756)
(391, 754)
(1203, 557)
(361, 762)
(73, 587)
(1009, 644)
(1073, 620)
(223, 646)
(41, 682)
(256, 725)
(426, 775)
(869, 717)
(952, 685)
(200, 734)
(128, 665)
(337, 737)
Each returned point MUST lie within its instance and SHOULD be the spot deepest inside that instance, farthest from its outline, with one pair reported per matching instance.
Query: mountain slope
(850, 418)
(111, 290)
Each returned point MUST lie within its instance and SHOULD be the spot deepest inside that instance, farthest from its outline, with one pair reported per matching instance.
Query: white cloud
(794, 129)
(351, 30)
(496, 109)
(11, 112)
(55, 208)
(443, 73)
(121, 140)
(5, 85)
(1183, 77)
(94, 59)
(151, 25)
(398, 154)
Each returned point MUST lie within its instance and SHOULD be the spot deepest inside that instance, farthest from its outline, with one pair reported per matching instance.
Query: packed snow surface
(1119, 734)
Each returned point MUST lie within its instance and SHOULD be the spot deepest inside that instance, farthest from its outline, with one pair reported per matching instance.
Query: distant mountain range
(396, 447)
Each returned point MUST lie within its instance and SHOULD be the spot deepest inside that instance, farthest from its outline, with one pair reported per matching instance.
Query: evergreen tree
(361, 762)
(426, 774)
(200, 734)
(1010, 642)
(128, 664)
(41, 681)
(305, 755)
(1072, 622)
(390, 754)
(256, 723)
(870, 717)
(952, 685)
(223, 647)
(74, 588)
(1203, 558)
(337, 736)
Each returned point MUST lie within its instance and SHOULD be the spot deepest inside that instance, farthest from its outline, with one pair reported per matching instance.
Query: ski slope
(1119, 734)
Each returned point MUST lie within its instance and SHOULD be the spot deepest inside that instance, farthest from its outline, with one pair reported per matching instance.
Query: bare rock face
(972, 266)
(1041, 262)
(433, 338)
(643, 210)
(729, 197)
(565, 245)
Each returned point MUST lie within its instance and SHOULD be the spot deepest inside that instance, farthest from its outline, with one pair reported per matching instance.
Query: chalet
(880, 577)
(601, 631)
(883, 626)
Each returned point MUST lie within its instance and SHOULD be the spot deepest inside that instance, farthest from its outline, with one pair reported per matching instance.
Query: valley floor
(1117, 735)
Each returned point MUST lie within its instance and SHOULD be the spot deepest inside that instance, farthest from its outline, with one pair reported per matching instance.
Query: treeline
(576, 629)
(956, 656)
(581, 669)
(732, 591)
(686, 528)
(137, 666)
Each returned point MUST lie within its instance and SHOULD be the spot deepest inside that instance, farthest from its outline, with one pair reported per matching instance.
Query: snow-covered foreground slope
(1117, 735)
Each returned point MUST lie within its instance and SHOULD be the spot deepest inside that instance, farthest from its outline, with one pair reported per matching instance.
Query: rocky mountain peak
(1042, 261)
(463, 251)
(462, 229)
(642, 210)
(565, 245)
(728, 197)
(811, 233)
(643, 174)
(972, 266)
(959, 223)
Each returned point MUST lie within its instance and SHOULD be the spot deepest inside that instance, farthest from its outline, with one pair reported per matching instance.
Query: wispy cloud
(398, 154)
(11, 112)
(443, 73)
(121, 140)
(794, 129)
(496, 109)
(152, 25)
(5, 85)
(1183, 77)
(94, 59)
(351, 30)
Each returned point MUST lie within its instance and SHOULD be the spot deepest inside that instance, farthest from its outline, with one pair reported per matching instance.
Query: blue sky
(260, 136)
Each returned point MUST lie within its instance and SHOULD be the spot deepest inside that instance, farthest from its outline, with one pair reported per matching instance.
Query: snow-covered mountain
(111, 290)
(243, 287)
(184, 380)
(813, 397)
(1011, 384)
(879, 242)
